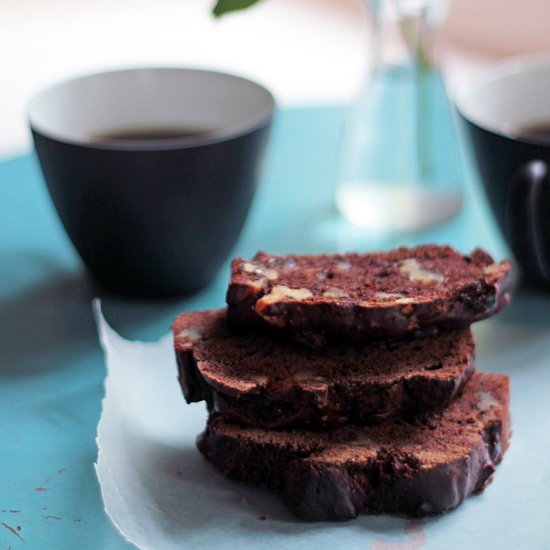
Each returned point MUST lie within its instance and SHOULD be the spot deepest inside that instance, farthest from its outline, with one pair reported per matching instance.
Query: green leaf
(224, 6)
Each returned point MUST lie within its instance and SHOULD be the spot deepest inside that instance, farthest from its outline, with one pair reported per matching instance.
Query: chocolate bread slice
(255, 381)
(420, 468)
(352, 297)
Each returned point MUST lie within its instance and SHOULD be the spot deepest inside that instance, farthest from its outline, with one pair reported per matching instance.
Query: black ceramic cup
(497, 114)
(152, 171)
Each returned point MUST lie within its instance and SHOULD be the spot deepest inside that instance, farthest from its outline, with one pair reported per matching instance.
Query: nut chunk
(349, 298)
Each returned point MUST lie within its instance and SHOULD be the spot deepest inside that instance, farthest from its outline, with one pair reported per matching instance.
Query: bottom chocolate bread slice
(259, 382)
(420, 468)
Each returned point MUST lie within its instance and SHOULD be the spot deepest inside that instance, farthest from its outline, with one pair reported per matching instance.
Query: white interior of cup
(79, 110)
(514, 95)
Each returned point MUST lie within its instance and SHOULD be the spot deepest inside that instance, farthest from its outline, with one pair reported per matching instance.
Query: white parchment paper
(161, 494)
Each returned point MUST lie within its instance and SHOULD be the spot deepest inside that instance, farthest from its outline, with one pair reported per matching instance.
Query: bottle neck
(403, 37)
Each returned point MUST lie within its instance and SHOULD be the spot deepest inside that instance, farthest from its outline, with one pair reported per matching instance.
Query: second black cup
(152, 171)
(506, 121)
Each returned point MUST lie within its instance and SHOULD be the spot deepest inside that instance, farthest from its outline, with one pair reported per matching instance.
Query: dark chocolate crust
(254, 381)
(352, 298)
(421, 468)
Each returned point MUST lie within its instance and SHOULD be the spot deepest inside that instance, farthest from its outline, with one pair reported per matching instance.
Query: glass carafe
(400, 163)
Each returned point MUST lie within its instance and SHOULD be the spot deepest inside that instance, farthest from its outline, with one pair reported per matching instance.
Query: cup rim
(260, 119)
(507, 68)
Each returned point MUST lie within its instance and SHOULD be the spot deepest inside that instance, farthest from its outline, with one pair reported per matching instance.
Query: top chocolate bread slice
(257, 381)
(356, 297)
(419, 468)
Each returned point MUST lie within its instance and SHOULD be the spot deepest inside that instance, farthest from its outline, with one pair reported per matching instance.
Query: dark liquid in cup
(151, 134)
(536, 134)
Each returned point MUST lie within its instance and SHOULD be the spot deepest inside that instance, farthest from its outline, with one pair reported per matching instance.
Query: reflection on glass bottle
(400, 165)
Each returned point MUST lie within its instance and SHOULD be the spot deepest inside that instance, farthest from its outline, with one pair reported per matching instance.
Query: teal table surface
(51, 365)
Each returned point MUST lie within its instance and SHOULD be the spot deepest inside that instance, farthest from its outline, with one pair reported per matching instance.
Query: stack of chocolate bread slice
(346, 382)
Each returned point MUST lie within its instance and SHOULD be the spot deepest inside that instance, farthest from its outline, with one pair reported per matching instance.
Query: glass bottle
(400, 164)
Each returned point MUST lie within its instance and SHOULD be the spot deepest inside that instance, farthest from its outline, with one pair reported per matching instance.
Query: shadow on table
(529, 306)
(51, 320)
(516, 341)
